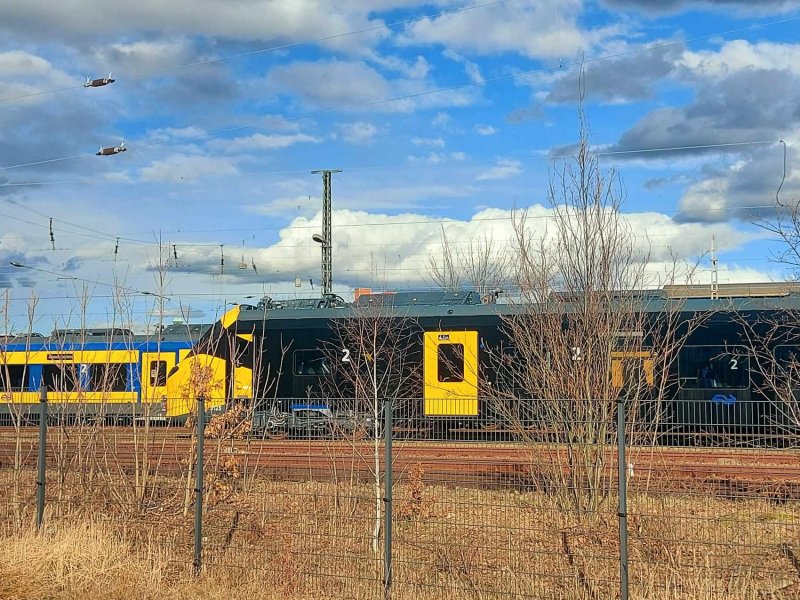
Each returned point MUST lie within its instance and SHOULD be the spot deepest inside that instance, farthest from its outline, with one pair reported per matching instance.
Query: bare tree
(585, 331)
(772, 338)
(784, 225)
(11, 384)
(482, 264)
(373, 363)
(141, 434)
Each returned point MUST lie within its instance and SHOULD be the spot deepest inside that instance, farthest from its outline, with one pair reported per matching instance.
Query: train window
(158, 373)
(62, 378)
(13, 378)
(311, 362)
(713, 367)
(787, 356)
(451, 362)
(507, 368)
(244, 353)
(787, 359)
(112, 377)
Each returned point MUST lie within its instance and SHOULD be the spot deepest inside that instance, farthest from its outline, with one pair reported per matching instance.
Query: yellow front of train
(213, 369)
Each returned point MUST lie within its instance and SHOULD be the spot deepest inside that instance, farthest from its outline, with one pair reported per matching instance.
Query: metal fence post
(40, 479)
(198, 484)
(622, 492)
(387, 499)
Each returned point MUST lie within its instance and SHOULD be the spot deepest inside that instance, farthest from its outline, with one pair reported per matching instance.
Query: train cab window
(112, 377)
(13, 378)
(451, 362)
(63, 378)
(244, 354)
(713, 367)
(158, 373)
(311, 363)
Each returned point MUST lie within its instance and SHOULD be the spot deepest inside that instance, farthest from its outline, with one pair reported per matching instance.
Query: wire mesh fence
(465, 508)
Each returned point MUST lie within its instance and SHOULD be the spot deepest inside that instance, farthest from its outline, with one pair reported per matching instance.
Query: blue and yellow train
(286, 360)
(90, 372)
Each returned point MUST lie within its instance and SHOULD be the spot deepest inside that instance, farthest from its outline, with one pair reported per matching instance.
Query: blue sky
(442, 114)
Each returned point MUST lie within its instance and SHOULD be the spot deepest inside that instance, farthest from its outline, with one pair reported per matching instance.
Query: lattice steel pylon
(326, 239)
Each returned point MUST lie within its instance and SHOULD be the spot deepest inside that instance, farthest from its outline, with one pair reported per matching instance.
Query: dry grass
(265, 538)
(92, 560)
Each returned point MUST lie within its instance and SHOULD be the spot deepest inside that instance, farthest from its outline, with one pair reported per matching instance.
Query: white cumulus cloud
(185, 168)
(472, 70)
(260, 141)
(428, 142)
(537, 29)
(360, 132)
(739, 55)
(504, 169)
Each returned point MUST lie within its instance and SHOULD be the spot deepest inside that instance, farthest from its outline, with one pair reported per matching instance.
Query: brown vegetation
(281, 539)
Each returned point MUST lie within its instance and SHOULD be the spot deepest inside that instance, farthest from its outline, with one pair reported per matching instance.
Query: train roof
(732, 290)
(421, 298)
(443, 304)
(118, 337)
(431, 304)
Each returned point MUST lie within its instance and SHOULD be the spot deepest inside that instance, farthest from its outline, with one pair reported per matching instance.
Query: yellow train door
(450, 373)
(155, 368)
(242, 359)
(632, 368)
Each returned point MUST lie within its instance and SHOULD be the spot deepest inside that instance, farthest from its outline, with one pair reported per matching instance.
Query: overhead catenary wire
(216, 301)
(105, 234)
(411, 96)
(46, 161)
(541, 154)
(603, 153)
(408, 260)
(245, 294)
(123, 288)
(275, 48)
(673, 148)
(99, 235)
(387, 222)
(607, 153)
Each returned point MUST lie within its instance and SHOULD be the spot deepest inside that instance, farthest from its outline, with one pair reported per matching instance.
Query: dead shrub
(417, 506)
(232, 424)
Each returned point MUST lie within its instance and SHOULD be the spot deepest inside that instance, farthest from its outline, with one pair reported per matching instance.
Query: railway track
(476, 464)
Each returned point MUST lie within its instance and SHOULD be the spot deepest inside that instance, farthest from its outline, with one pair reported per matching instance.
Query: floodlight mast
(325, 240)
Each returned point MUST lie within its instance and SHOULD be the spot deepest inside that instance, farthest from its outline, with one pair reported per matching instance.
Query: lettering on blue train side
(724, 399)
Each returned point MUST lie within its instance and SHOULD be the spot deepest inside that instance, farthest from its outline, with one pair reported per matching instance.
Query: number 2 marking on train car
(734, 364)
(345, 355)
